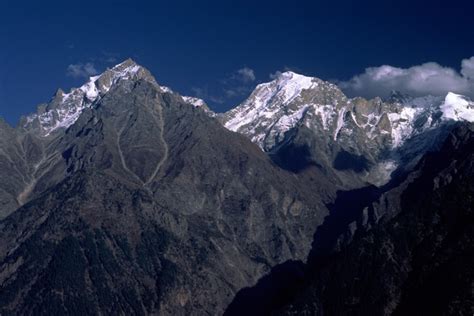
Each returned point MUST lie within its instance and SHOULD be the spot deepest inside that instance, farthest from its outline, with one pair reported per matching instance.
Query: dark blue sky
(198, 46)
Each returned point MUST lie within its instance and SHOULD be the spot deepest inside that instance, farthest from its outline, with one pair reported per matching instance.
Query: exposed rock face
(22, 162)
(143, 205)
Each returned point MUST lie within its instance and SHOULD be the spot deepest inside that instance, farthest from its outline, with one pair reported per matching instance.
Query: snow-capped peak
(288, 85)
(65, 108)
(277, 106)
(457, 107)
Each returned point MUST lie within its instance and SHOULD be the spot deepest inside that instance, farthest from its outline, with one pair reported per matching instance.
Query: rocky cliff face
(141, 204)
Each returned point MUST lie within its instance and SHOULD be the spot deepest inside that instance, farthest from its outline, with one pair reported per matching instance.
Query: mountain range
(124, 197)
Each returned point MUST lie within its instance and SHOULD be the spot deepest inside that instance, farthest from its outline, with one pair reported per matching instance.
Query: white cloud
(245, 74)
(428, 78)
(81, 70)
(275, 75)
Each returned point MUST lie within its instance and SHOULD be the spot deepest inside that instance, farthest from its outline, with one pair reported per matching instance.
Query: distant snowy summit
(275, 107)
(299, 111)
(292, 100)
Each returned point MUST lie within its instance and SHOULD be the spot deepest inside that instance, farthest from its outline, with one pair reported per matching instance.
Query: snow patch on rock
(194, 101)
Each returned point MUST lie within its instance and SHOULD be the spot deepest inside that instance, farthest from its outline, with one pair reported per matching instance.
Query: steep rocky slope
(22, 162)
(30, 155)
(136, 202)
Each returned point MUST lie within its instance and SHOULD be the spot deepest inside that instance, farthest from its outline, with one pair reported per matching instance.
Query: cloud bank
(81, 70)
(428, 78)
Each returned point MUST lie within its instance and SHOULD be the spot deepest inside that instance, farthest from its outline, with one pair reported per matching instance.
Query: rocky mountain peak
(289, 85)
(290, 78)
(64, 108)
(280, 105)
(129, 62)
(127, 70)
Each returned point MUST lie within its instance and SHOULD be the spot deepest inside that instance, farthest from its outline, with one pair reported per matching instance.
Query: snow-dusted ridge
(65, 108)
(195, 101)
(282, 90)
